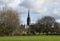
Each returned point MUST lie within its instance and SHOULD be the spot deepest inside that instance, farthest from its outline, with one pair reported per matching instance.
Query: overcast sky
(38, 8)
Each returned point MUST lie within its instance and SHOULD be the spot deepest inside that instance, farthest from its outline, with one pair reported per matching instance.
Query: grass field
(30, 38)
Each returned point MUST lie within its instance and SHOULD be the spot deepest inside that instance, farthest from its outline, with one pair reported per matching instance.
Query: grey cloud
(1, 2)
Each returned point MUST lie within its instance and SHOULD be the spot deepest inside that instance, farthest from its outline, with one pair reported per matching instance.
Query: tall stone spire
(28, 18)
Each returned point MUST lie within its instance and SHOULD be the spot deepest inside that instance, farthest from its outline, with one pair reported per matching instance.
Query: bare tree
(9, 21)
(57, 28)
(46, 23)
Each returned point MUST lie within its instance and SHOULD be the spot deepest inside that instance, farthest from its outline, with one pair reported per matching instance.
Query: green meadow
(30, 38)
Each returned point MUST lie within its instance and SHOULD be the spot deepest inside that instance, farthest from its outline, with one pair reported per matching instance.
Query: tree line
(46, 25)
(10, 25)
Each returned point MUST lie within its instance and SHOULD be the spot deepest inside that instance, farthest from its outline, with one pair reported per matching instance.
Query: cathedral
(28, 19)
(27, 27)
(28, 23)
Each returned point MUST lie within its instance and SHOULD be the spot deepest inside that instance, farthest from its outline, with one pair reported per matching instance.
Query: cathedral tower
(28, 19)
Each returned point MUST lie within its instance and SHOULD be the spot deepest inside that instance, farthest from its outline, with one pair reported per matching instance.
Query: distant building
(26, 28)
(28, 19)
(28, 23)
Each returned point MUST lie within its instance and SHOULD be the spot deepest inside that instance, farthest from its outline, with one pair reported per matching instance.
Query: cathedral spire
(28, 18)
